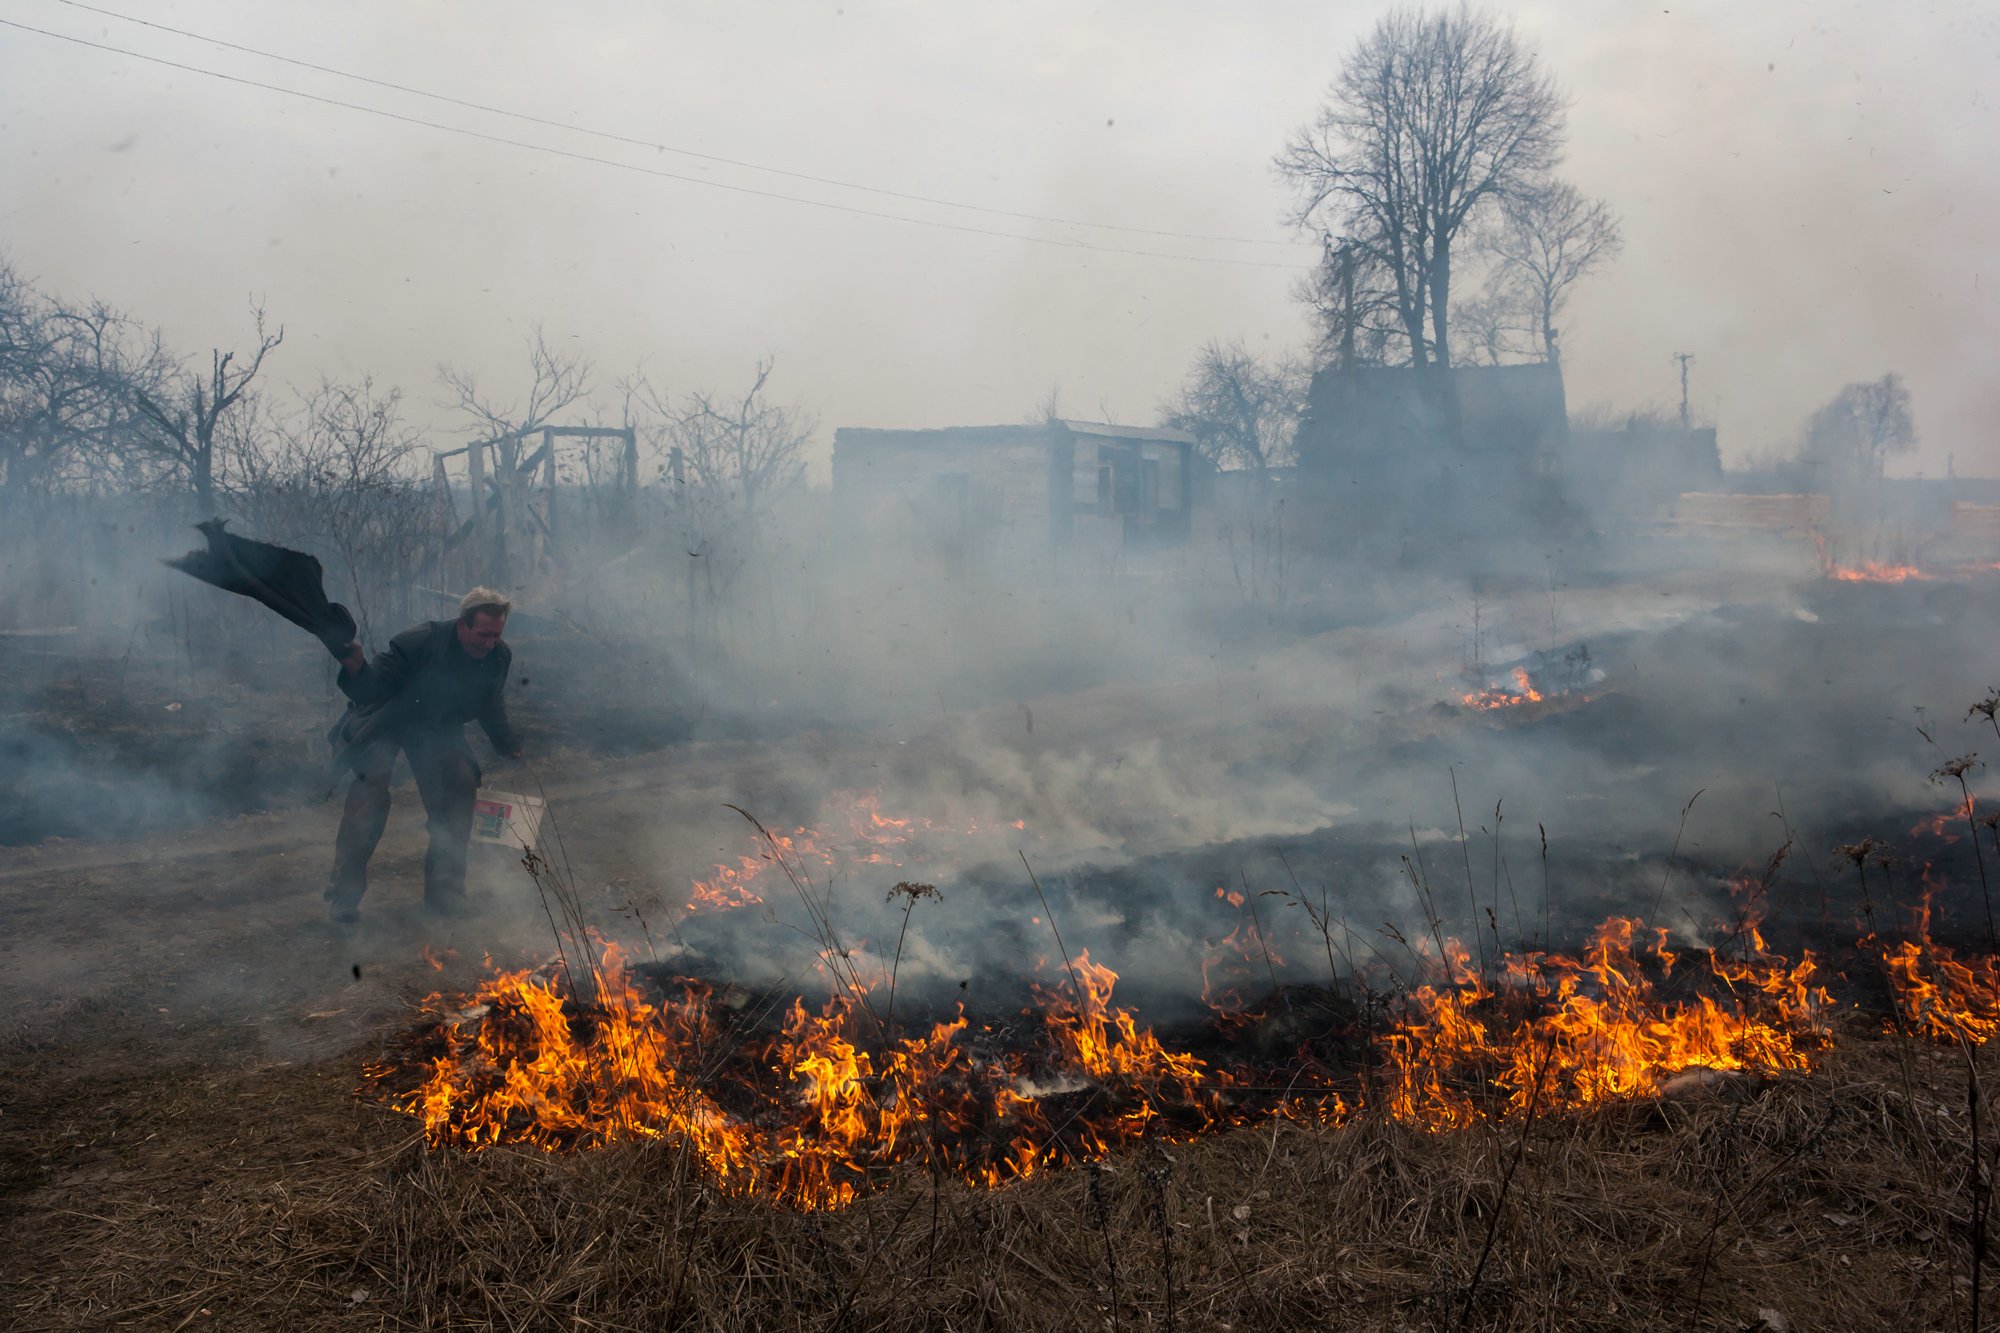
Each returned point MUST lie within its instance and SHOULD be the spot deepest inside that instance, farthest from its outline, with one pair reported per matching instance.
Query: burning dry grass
(829, 1105)
(1492, 697)
(1835, 1199)
(1878, 571)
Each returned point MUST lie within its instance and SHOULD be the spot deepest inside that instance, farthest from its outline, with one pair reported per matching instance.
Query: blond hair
(489, 600)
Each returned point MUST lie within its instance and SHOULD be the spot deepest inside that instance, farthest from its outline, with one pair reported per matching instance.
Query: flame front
(814, 1110)
(809, 1117)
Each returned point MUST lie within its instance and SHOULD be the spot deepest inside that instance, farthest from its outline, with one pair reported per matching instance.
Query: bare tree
(728, 461)
(335, 476)
(1854, 433)
(1432, 118)
(1048, 411)
(1487, 326)
(556, 378)
(745, 448)
(1242, 412)
(66, 375)
(1551, 235)
(183, 416)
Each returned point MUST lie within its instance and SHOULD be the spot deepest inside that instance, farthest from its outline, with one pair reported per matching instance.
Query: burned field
(1247, 1020)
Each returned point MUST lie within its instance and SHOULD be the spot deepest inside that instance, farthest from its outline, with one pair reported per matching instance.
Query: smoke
(1270, 713)
(1086, 765)
(1213, 788)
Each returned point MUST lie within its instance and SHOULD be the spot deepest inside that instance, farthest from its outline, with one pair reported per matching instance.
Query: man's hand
(353, 660)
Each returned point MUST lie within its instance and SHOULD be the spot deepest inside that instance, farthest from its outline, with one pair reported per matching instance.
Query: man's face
(478, 635)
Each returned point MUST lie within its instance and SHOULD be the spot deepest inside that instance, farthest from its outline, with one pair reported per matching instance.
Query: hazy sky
(1807, 189)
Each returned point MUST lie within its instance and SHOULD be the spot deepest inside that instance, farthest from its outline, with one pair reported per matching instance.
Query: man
(417, 697)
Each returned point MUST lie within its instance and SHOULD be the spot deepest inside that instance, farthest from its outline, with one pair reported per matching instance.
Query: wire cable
(1058, 242)
(613, 137)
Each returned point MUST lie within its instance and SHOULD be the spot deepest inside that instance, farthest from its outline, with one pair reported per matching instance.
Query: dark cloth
(289, 582)
(447, 780)
(422, 689)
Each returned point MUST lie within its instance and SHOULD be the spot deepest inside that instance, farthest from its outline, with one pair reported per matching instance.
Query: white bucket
(505, 820)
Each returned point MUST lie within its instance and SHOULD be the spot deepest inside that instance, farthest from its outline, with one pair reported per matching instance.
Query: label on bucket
(503, 817)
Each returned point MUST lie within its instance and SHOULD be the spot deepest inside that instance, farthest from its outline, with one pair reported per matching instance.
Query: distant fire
(1524, 692)
(857, 834)
(1947, 825)
(1874, 571)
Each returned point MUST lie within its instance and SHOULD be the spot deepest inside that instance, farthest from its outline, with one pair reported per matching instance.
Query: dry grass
(278, 1200)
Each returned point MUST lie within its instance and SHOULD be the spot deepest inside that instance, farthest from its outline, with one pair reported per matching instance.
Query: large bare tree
(1550, 235)
(1433, 118)
(1242, 411)
(183, 416)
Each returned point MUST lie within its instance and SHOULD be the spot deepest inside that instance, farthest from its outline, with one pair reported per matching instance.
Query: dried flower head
(1956, 768)
(1858, 852)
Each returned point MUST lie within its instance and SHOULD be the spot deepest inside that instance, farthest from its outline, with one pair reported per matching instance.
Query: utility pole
(1684, 358)
(1346, 306)
(1342, 253)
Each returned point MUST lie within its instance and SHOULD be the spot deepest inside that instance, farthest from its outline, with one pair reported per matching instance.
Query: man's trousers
(447, 781)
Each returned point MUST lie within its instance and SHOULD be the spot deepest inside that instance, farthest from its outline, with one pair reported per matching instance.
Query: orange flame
(859, 834)
(832, 1103)
(1876, 571)
(1593, 1028)
(1524, 692)
(1937, 994)
(1236, 960)
(1946, 825)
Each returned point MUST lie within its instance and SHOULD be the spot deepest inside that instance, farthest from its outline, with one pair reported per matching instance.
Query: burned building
(1636, 469)
(1436, 466)
(993, 495)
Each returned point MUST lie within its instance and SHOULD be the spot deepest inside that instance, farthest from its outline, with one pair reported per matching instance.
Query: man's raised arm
(368, 682)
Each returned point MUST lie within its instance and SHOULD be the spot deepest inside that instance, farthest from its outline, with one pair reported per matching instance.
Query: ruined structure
(1636, 469)
(994, 495)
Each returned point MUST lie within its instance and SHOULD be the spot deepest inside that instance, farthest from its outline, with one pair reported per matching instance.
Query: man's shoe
(343, 914)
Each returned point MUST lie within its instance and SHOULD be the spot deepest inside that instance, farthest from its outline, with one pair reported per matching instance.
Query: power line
(634, 167)
(613, 137)
(574, 156)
